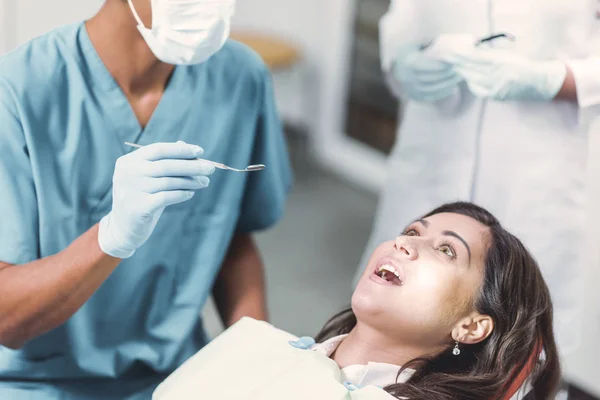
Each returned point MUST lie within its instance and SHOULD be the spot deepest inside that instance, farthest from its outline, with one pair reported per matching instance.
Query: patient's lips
(388, 271)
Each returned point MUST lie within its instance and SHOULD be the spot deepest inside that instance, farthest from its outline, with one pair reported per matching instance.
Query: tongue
(390, 277)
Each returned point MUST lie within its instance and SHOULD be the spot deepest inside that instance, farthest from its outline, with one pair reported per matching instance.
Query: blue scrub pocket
(202, 214)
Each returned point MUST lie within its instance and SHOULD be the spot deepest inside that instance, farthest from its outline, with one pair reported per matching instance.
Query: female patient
(458, 302)
(453, 308)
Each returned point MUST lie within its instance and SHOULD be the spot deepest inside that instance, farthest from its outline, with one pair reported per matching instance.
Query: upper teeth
(389, 268)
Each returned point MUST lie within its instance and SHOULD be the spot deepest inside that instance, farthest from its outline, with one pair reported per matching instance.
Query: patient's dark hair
(515, 295)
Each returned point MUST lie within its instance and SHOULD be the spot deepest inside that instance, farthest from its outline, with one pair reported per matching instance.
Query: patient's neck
(365, 344)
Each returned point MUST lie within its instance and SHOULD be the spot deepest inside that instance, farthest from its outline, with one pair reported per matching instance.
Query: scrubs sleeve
(18, 205)
(266, 191)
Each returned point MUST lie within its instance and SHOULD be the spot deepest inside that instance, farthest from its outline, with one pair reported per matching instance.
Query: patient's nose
(406, 247)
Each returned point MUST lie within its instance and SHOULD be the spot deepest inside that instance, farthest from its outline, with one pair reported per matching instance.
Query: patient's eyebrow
(424, 222)
(456, 235)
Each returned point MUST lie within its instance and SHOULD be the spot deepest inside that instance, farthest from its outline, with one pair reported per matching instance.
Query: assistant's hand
(427, 73)
(504, 75)
(424, 78)
(146, 181)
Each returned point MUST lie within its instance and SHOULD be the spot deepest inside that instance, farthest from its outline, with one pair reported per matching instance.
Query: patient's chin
(366, 306)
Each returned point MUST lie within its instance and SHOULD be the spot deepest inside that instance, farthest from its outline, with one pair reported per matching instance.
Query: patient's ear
(473, 329)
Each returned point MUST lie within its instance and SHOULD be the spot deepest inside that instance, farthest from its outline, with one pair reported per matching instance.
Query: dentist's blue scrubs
(63, 121)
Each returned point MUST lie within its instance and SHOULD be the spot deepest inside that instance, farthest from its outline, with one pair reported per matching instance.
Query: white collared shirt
(377, 374)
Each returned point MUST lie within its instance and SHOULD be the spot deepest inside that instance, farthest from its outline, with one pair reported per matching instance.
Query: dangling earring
(456, 350)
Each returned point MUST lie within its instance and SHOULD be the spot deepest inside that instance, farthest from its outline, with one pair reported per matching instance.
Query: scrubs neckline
(122, 116)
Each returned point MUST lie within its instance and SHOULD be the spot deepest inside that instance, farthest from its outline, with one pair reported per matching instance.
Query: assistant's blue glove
(146, 181)
(424, 78)
(500, 74)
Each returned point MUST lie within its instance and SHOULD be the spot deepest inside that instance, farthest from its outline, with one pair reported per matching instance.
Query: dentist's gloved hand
(504, 75)
(146, 181)
(423, 75)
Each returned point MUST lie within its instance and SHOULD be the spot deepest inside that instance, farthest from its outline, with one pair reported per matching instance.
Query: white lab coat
(524, 161)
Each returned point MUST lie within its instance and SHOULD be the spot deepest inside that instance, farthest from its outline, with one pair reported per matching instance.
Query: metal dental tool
(249, 168)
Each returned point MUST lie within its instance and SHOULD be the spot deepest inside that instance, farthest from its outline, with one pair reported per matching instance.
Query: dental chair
(521, 387)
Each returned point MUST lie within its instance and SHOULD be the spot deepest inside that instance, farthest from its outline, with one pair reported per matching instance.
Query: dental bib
(254, 360)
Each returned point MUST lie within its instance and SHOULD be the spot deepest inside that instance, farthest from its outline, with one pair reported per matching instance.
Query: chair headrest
(521, 379)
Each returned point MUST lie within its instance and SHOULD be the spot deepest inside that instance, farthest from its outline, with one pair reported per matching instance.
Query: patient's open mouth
(388, 273)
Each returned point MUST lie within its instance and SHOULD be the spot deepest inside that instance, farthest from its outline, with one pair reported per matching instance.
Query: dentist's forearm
(39, 296)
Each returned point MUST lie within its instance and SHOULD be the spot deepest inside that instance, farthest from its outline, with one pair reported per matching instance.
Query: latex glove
(146, 181)
(504, 75)
(423, 76)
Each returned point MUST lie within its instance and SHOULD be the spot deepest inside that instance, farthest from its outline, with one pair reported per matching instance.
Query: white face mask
(187, 32)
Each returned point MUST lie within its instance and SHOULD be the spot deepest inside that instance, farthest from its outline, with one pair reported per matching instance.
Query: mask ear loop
(135, 14)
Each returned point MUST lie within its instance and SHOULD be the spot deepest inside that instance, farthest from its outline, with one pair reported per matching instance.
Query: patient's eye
(411, 232)
(448, 250)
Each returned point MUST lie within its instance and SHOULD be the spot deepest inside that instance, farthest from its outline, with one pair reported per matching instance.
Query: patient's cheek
(433, 279)
(437, 290)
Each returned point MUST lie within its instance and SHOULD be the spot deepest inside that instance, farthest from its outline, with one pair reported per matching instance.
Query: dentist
(107, 255)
